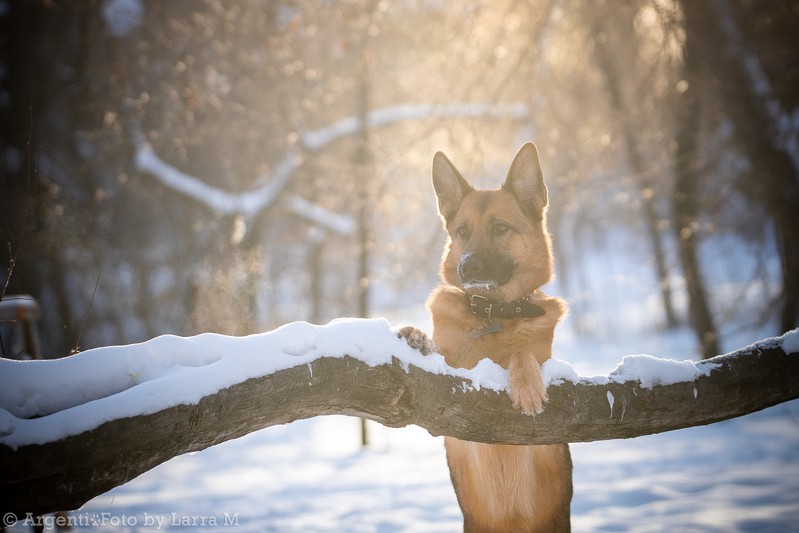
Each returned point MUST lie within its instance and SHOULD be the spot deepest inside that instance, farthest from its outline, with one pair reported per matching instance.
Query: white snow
(78, 393)
(489, 375)
(647, 370)
(611, 401)
(790, 342)
(556, 372)
(651, 371)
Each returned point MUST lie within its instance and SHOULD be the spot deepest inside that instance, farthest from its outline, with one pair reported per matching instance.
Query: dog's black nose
(484, 269)
(472, 267)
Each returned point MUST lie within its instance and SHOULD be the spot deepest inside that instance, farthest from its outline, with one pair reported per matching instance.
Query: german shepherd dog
(489, 305)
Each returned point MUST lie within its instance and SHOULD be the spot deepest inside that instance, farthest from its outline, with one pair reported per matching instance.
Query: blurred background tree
(667, 129)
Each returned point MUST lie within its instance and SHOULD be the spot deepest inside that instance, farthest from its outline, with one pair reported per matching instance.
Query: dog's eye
(500, 229)
(462, 232)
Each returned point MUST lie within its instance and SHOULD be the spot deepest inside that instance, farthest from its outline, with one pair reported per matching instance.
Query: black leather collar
(482, 307)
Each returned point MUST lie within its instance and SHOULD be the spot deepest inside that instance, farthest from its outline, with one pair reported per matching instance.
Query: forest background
(198, 165)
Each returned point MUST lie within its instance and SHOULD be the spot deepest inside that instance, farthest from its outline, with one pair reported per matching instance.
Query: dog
(489, 304)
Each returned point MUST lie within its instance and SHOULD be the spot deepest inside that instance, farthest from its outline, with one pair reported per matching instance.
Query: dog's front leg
(527, 390)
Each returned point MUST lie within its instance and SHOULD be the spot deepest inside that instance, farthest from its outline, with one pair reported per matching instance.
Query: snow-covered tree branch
(73, 428)
(250, 203)
(222, 202)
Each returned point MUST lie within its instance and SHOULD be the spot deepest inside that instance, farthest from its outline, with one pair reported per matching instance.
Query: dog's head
(498, 244)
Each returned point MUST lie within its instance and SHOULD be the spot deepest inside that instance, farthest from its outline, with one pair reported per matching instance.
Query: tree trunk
(606, 59)
(760, 115)
(685, 200)
(755, 101)
(363, 199)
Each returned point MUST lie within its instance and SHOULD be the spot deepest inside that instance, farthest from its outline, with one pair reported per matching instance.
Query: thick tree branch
(67, 473)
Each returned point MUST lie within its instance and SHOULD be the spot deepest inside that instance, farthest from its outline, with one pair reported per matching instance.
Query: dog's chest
(465, 339)
(471, 340)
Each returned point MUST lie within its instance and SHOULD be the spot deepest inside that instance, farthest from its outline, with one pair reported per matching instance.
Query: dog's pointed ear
(526, 181)
(450, 186)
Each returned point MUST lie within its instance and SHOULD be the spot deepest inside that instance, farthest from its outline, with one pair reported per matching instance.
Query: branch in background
(251, 203)
(66, 473)
(340, 224)
(385, 116)
(247, 204)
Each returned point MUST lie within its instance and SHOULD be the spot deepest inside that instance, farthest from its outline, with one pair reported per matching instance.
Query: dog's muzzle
(479, 270)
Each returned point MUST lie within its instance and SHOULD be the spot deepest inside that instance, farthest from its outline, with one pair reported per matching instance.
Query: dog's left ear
(526, 181)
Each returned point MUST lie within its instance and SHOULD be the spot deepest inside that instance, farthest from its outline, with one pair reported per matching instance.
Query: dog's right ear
(449, 185)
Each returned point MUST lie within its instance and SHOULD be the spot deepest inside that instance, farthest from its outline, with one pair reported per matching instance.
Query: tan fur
(502, 487)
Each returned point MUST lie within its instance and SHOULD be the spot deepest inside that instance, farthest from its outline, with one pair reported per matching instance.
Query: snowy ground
(738, 475)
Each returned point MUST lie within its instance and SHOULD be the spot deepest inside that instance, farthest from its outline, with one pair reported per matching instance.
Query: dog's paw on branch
(86, 434)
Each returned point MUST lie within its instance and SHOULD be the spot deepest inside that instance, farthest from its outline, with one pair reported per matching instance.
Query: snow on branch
(73, 428)
(315, 140)
(247, 204)
(341, 224)
(251, 203)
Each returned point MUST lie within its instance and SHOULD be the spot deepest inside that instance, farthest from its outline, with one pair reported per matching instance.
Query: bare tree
(685, 205)
(615, 45)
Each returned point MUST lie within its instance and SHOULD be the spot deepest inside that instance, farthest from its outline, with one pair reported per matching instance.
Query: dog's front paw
(417, 339)
(527, 390)
(530, 400)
